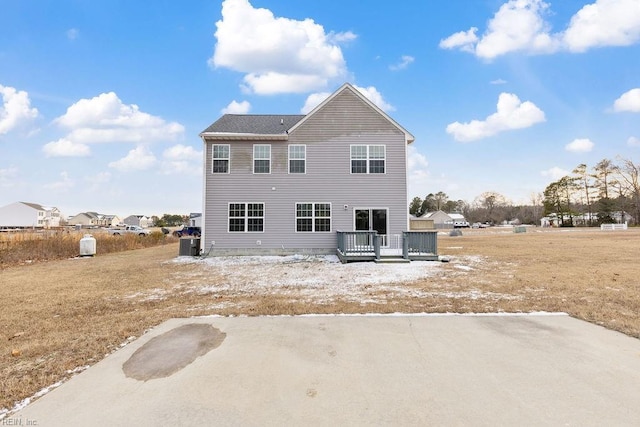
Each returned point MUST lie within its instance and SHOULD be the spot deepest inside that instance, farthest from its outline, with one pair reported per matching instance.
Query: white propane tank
(87, 245)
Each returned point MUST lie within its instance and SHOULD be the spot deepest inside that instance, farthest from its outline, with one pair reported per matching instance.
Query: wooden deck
(367, 246)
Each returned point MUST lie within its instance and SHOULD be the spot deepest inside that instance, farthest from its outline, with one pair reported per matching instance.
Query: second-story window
(297, 158)
(220, 159)
(261, 158)
(368, 158)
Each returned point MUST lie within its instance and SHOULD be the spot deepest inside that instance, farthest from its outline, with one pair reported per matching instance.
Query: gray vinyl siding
(328, 135)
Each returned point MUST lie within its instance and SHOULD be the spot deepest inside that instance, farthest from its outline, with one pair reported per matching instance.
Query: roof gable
(347, 86)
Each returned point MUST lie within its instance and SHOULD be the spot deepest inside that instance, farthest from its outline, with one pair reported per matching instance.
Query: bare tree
(490, 200)
(604, 171)
(536, 204)
(584, 180)
(441, 200)
(629, 174)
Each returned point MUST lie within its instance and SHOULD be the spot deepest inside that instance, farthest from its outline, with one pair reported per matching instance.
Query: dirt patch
(58, 317)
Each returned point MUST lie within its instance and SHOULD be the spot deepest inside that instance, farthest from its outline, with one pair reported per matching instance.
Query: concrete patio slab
(450, 370)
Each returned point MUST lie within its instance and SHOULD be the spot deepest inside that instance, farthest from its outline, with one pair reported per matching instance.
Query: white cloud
(371, 93)
(15, 109)
(517, 26)
(417, 170)
(633, 141)
(604, 23)
(182, 152)
(511, 114)
(374, 96)
(498, 82)
(181, 159)
(345, 37)
(417, 163)
(465, 40)
(99, 178)
(64, 184)
(313, 101)
(73, 33)
(235, 107)
(555, 173)
(405, 61)
(97, 182)
(106, 119)
(106, 111)
(520, 26)
(580, 145)
(140, 158)
(8, 176)
(65, 148)
(628, 101)
(277, 55)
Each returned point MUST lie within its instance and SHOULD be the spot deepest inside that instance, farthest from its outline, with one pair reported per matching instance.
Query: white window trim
(228, 159)
(371, 209)
(313, 217)
(289, 159)
(368, 159)
(246, 217)
(253, 163)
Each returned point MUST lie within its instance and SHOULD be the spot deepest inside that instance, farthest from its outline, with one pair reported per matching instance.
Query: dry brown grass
(18, 248)
(57, 316)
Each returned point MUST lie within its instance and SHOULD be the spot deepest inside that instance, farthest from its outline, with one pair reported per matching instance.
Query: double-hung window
(313, 217)
(220, 158)
(368, 158)
(261, 158)
(297, 158)
(246, 217)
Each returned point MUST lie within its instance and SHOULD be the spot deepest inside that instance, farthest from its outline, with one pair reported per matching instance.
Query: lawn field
(59, 317)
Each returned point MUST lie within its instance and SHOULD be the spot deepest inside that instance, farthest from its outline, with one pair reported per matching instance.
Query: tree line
(489, 207)
(608, 192)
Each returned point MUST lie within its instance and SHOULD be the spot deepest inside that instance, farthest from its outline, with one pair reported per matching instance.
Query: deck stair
(392, 259)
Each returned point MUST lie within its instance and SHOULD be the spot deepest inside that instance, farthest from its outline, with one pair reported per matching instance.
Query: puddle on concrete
(166, 354)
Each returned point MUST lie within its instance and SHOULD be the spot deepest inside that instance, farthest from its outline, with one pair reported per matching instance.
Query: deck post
(405, 245)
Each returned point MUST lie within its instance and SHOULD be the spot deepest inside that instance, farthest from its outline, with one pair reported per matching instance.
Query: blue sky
(101, 102)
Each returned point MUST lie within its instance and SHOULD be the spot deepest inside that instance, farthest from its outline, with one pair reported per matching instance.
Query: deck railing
(359, 243)
(417, 244)
(366, 245)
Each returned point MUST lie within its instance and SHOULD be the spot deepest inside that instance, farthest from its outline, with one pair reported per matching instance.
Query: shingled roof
(256, 124)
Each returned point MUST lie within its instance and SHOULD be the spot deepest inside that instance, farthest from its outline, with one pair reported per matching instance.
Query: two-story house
(29, 215)
(281, 184)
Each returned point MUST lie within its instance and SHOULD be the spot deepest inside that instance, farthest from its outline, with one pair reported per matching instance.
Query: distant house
(86, 219)
(441, 219)
(29, 215)
(195, 219)
(94, 219)
(111, 220)
(139, 220)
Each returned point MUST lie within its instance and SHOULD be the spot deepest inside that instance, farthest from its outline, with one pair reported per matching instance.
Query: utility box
(189, 247)
(87, 245)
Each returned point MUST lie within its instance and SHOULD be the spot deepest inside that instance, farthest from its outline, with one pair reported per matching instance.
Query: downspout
(203, 235)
